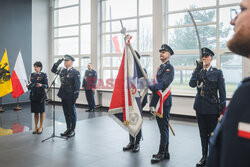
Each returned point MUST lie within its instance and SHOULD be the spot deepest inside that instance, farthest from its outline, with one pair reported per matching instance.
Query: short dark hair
(38, 64)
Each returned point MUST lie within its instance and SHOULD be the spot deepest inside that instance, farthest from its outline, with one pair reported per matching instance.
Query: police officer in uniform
(89, 85)
(230, 144)
(208, 105)
(68, 92)
(38, 84)
(164, 76)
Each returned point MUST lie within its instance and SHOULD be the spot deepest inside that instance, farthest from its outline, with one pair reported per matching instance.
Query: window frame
(218, 51)
(79, 55)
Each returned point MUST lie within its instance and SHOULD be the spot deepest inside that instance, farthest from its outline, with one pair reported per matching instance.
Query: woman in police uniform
(38, 84)
(210, 100)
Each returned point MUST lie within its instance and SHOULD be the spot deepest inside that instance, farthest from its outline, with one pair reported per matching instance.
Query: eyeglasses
(234, 13)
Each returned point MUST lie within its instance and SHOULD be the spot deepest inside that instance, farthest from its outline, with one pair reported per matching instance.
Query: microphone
(59, 70)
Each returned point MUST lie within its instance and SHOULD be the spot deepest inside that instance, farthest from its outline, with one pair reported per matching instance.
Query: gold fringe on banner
(157, 114)
(126, 123)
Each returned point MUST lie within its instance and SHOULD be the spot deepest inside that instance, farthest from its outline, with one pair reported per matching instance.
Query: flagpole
(139, 64)
(17, 108)
(1, 108)
(172, 130)
(126, 82)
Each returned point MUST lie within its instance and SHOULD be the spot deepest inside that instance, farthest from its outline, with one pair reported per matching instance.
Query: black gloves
(55, 66)
(199, 66)
(59, 62)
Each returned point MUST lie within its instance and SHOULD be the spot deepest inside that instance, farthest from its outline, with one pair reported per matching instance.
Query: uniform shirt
(38, 93)
(230, 145)
(89, 80)
(211, 81)
(164, 76)
(70, 84)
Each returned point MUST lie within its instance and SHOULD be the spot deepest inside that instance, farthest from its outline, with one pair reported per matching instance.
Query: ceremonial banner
(5, 81)
(125, 106)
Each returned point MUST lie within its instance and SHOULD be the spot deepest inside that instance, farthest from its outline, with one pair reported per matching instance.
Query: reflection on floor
(98, 142)
(21, 121)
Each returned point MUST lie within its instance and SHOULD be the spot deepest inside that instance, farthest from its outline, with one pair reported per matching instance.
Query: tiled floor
(98, 143)
(25, 118)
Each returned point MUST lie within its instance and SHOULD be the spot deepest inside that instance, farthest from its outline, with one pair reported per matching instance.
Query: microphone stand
(53, 110)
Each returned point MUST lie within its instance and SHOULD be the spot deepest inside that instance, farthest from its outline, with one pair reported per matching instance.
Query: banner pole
(172, 130)
(17, 108)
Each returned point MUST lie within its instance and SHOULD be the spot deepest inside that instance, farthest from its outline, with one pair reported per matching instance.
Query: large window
(136, 16)
(72, 35)
(213, 21)
(72, 31)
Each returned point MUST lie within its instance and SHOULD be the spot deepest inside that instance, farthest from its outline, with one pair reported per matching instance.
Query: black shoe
(35, 131)
(39, 132)
(136, 148)
(158, 157)
(167, 155)
(130, 146)
(202, 162)
(89, 110)
(65, 133)
(71, 134)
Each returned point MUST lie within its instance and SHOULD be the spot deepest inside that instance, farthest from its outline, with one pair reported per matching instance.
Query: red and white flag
(125, 106)
(19, 78)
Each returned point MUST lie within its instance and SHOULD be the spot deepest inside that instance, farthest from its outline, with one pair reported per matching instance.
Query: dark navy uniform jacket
(70, 84)
(164, 76)
(230, 145)
(38, 93)
(213, 81)
(89, 80)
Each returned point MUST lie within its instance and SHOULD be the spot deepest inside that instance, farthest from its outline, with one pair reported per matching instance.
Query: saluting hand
(199, 65)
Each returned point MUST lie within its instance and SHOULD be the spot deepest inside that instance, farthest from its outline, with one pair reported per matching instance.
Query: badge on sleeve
(244, 130)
